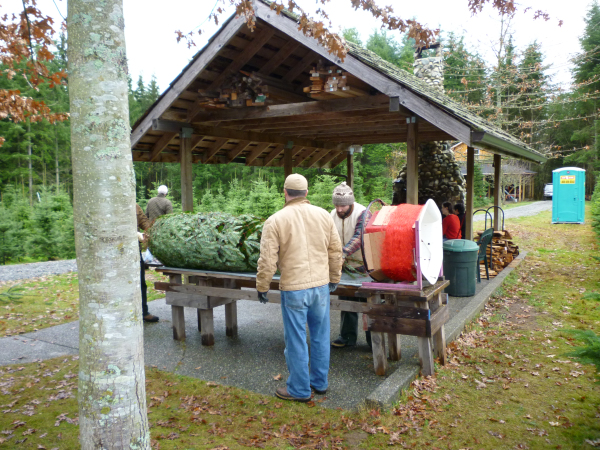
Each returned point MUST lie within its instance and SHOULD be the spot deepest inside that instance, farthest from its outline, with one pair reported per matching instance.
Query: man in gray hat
(302, 241)
(348, 217)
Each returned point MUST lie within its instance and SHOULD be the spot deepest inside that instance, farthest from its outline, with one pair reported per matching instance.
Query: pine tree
(587, 92)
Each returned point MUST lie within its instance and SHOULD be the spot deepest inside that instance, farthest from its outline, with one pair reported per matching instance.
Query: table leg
(231, 327)
(424, 344)
(393, 339)
(378, 343)
(200, 282)
(177, 314)
(439, 338)
(208, 328)
(178, 319)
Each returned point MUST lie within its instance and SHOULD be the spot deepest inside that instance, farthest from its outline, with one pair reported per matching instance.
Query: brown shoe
(150, 318)
(283, 394)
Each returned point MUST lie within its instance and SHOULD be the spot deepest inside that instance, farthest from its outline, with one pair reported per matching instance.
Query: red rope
(397, 254)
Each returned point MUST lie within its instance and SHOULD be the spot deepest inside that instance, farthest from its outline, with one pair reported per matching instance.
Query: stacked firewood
(503, 252)
(328, 82)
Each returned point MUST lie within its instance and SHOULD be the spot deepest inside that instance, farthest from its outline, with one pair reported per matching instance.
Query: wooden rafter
(212, 151)
(408, 99)
(256, 152)
(266, 126)
(272, 155)
(295, 71)
(296, 150)
(172, 126)
(306, 153)
(333, 128)
(187, 77)
(338, 159)
(296, 109)
(237, 150)
(331, 156)
(160, 145)
(244, 56)
(316, 157)
(284, 52)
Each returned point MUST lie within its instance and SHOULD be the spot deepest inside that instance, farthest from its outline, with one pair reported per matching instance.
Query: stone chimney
(430, 69)
(439, 174)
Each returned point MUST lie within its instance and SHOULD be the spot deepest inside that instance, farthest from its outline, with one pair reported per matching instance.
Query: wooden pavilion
(296, 125)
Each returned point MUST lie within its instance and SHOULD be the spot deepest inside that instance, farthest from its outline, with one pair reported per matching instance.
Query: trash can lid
(460, 246)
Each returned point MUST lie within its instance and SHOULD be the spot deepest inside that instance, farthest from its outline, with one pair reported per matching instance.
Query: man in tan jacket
(301, 239)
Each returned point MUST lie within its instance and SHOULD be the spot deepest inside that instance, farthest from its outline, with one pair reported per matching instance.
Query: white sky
(152, 49)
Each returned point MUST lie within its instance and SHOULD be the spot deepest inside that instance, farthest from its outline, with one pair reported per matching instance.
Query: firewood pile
(504, 251)
(245, 89)
(329, 82)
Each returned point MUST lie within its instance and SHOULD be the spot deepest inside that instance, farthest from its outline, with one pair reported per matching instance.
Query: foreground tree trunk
(112, 398)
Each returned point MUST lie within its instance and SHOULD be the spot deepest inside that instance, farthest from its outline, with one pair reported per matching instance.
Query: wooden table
(394, 311)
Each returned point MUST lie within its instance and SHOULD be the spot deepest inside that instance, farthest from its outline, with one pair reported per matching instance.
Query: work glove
(262, 297)
(332, 287)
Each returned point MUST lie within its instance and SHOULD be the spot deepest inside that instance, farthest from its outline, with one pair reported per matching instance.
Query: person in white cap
(348, 217)
(302, 241)
(159, 205)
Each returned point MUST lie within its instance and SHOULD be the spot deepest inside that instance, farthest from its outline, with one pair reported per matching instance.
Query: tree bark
(29, 162)
(56, 157)
(112, 397)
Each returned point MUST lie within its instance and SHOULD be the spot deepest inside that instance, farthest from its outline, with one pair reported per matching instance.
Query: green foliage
(596, 208)
(400, 54)
(52, 232)
(465, 72)
(12, 295)
(589, 353)
(207, 241)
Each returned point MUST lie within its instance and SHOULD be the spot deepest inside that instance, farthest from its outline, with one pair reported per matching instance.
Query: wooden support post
(393, 339)
(378, 344)
(199, 282)
(231, 326)
(412, 161)
(424, 345)
(520, 188)
(470, 194)
(288, 154)
(350, 165)
(208, 327)
(439, 338)
(185, 160)
(177, 314)
(497, 189)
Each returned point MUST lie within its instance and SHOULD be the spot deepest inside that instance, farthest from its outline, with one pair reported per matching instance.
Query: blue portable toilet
(568, 196)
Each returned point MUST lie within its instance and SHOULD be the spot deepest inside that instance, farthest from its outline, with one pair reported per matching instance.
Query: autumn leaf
(277, 377)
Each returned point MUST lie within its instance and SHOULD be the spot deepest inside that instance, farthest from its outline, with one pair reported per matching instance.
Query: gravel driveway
(520, 211)
(33, 270)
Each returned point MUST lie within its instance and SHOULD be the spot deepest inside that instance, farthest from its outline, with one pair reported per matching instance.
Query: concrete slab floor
(254, 358)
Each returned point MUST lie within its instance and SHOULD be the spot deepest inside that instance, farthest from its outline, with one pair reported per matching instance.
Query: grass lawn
(49, 301)
(511, 382)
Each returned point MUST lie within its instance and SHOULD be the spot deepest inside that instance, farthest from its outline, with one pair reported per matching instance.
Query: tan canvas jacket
(302, 240)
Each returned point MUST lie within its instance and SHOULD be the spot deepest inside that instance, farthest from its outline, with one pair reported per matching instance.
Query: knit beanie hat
(343, 195)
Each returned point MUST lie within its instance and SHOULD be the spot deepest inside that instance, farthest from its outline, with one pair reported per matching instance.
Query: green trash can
(460, 267)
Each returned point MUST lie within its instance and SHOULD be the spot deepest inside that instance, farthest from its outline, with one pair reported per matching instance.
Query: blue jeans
(299, 308)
